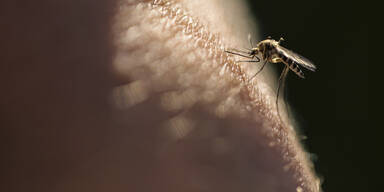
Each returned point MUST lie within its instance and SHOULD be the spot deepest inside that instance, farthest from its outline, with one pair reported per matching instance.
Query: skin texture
(140, 96)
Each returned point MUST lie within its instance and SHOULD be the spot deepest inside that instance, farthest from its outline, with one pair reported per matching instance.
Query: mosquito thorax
(267, 44)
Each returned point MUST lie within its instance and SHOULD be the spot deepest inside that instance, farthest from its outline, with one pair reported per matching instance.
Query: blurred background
(330, 105)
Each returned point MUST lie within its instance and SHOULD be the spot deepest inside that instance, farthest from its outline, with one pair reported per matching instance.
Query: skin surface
(140, 96)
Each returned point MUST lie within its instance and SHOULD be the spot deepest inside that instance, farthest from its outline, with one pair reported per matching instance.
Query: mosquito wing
(300, 60)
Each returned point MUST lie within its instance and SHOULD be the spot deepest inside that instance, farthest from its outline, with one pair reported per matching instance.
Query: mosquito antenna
(282, 78)
(249, 50)
(262, 67)
(241, 51)
(244, 51)
(250, 40)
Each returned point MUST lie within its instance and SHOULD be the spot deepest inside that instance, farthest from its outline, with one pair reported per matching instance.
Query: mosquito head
(254, 51)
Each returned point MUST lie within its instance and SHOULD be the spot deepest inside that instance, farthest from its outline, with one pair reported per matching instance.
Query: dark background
(331, 105)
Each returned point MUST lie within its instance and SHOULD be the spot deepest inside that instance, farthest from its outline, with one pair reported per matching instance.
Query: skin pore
(142, 97)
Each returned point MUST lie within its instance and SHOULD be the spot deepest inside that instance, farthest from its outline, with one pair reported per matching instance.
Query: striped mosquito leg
(281, 85)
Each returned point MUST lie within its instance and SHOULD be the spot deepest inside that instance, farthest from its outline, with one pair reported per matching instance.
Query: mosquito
(272, 52)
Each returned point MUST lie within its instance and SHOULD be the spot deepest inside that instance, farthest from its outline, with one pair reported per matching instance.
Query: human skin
(139, 96)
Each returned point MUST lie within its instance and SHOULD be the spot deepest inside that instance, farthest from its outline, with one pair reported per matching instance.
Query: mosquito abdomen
(295, 68)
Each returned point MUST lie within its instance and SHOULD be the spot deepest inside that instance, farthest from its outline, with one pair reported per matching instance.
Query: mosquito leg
(281, 86)
(258, 59)
(249, 61)
(262, 67)
(246, 52)
(234, 53)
